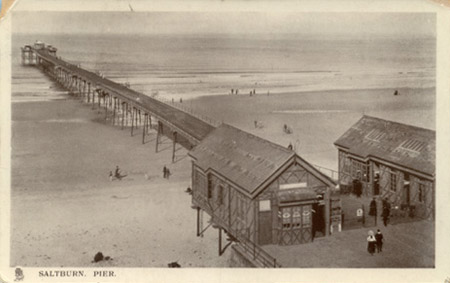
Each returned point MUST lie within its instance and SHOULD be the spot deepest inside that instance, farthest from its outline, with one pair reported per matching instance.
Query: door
(296, 225)
(265, 227)
(318, 220)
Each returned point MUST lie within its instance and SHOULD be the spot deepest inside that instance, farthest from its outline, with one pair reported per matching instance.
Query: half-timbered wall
(293, 174)
(228, 207)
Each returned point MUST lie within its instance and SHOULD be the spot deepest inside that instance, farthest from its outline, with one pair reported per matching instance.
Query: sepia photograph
(222, 138)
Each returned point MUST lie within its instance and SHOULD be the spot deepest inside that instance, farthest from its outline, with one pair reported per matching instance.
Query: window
(421, 192)
(393, 181)
(360, 170)
(209, 187)
(219, 199)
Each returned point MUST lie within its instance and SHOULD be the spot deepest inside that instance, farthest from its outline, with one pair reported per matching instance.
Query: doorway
(296, 224)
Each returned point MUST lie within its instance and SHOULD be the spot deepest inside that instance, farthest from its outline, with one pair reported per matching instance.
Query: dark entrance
(265, 227)
(318, 229)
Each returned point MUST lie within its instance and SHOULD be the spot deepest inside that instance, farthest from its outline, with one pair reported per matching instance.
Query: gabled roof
(241, 157)
(409, 146)
(246, 160)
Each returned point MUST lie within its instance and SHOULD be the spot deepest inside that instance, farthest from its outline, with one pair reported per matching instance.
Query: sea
(189, 66)
(199, 69)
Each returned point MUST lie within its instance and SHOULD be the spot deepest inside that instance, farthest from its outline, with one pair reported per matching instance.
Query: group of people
(166, 172)
(386, 210)
(117, 174)
(375, 242)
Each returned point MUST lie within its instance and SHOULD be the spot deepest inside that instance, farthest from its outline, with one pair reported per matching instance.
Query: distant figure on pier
(396, 92)
(237, 91)
(168, 173)
(165, 172)
(232, 91)
(256, 124)
(251, 93)
(254, 91)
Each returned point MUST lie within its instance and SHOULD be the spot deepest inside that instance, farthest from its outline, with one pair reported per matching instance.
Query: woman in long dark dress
(371, 243)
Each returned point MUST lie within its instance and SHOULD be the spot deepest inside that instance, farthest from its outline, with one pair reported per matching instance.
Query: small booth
(259, 191)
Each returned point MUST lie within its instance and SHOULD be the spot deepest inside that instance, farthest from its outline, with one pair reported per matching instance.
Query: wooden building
(258, 191)
(391, 160)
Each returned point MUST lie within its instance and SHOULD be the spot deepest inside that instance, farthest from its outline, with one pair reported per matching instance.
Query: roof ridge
(258, 138)
(394, 122)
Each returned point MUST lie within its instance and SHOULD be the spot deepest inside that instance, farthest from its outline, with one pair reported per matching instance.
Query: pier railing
(186, 109)
(333, 174)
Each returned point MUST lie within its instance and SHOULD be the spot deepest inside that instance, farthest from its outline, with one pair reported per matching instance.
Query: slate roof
(409, 146)
(239, 156)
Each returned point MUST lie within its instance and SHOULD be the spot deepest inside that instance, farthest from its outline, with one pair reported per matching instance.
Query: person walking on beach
(168, 173)
(164, 172)
(379, 239)
(371, 242)
(117, 172)
(256, 124)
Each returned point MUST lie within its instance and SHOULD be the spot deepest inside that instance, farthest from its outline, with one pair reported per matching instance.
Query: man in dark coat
(373, 208)
(385, 214)
(379, 238)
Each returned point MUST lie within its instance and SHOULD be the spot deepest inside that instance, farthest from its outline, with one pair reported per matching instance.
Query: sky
(223, 22)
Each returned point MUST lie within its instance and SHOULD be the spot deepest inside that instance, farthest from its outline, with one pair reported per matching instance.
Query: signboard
(359, 212)
(264, 205)
(293, 186)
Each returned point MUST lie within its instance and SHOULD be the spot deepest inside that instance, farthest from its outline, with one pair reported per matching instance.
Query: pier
(122, 105)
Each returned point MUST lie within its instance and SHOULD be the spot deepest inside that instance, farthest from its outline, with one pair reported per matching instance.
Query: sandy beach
(65, 209)
(317, 119)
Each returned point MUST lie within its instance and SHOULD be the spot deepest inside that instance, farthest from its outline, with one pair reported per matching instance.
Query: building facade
(259, 191)
(391, 160)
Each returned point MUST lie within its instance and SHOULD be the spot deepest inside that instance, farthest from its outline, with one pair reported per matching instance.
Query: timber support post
(144, 128)
(114, 111)
(132, 120)
(198, 221)
(158, 134)
(123, 113)
(220, 241)
(174, 146)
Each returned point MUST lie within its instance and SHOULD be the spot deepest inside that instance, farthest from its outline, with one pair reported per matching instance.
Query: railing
(333, 174)
(251, 249)
(258, 253)
(188, 110)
